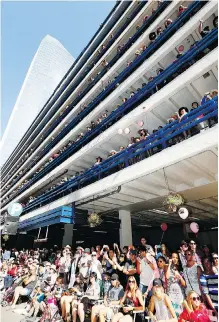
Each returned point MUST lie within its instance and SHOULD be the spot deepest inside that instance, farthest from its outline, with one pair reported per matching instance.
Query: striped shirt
(209, 285)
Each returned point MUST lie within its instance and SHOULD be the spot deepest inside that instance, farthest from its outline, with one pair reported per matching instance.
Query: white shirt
(147, 273)
(97, 268)
(83, 268)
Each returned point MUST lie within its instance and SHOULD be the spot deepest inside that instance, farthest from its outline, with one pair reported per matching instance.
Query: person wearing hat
(112, 297)
(83, 262)
(51, 279)
(96, 266)
(130, 267)
(160, 307)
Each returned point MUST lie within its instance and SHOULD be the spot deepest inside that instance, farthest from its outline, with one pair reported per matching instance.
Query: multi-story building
(49, 65)
(152, 66)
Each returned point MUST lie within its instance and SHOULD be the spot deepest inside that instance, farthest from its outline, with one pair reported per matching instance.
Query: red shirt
(200, 315)
(13, 271)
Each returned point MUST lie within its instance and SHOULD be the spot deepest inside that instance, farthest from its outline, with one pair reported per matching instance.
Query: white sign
(15, 209)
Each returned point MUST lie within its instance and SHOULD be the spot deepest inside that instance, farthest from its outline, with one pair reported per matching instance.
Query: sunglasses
(215, 257)
(130, 282)
(188, 254)
(196, 298)
(160, 261)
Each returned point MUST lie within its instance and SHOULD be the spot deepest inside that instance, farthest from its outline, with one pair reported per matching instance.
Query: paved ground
(9, 316)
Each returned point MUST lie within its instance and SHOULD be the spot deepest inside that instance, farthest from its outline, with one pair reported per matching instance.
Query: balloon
(194, 227)
(163, 226)
(120, 131)
(181, 48)
(127, 130)
(140, 123)
(183, 213)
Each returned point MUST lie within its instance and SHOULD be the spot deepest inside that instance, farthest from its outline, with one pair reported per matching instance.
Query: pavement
(8, 316)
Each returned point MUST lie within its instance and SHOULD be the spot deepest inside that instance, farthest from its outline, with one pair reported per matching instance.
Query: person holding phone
(175, 284)
(147, 268)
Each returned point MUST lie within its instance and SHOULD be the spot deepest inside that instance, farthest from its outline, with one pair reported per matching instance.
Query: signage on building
(15, 209)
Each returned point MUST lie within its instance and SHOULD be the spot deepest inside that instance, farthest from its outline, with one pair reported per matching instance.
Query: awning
(62, 214)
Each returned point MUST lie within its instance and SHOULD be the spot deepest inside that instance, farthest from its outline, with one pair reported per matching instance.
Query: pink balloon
(140, 123)
(194, 227)
(164, 226)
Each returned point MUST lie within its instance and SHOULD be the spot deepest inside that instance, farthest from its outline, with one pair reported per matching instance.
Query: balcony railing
(189, 58)
(155, 143)
(47, 106)
(194, 7)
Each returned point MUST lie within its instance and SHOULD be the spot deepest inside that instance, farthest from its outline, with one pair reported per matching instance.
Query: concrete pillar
(125, 228)
(68, 235)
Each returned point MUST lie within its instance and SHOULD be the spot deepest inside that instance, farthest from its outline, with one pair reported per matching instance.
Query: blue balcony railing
(47, 106)
(72, 87)
(123, 75)
(149, 89)
(155, 143)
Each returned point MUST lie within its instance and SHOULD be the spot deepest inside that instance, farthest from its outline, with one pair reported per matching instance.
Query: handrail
(161, 137)
(138, 98)
(54, 98)
(123, 75)
(73, 86)
(67, 73)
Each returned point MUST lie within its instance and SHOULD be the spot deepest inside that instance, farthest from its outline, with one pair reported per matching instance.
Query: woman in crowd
(70, 296)
(162, 267)
(161, 250)
(92, 293)
(194, 310)
(192, 273)
(131, 301)
(160, 307)
(215, 262)
(175, 284)
(29, 284)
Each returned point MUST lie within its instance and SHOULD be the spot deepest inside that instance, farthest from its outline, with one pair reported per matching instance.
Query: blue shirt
(209, 284)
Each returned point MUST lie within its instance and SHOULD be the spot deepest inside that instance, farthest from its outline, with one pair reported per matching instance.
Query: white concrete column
(125, 228)
(68, 235)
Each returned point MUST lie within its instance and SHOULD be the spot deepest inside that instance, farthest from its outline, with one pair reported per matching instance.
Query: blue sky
(25, 24)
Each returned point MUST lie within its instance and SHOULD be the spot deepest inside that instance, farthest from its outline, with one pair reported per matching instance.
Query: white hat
(68, 246)
(94, 253)
(11, 259)
(53, 267)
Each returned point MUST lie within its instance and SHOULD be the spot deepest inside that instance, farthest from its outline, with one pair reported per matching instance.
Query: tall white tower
(46, 70)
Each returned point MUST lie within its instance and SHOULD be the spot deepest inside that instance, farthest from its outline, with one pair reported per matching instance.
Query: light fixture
(127, 131)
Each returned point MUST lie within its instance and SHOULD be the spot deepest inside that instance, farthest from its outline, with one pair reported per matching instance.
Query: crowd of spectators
(143, 134)
(92, 125)
(104, 63)
(110, 284)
